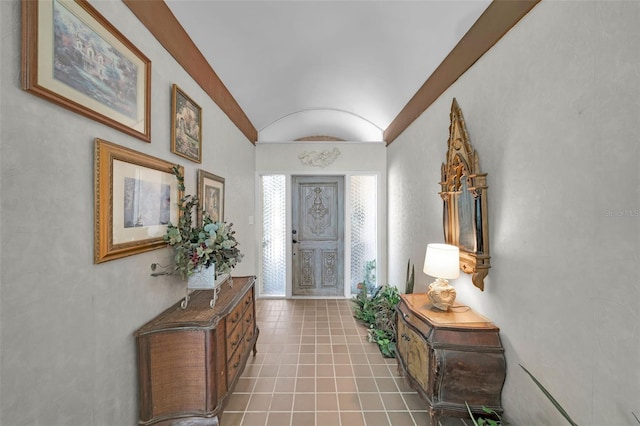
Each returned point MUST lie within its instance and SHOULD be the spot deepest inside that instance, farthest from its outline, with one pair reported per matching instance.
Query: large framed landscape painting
(72, 56)
(136, 197)
(186, 126)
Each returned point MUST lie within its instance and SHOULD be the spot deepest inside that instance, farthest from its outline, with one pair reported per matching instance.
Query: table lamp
(442, 262)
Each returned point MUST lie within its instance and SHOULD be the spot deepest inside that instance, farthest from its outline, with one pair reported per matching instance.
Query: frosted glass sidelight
(274, 260)
(363, 195)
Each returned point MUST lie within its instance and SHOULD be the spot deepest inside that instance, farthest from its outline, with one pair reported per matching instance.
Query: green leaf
(550, 397)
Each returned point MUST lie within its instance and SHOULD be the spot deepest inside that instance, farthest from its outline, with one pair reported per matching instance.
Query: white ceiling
(333, 68)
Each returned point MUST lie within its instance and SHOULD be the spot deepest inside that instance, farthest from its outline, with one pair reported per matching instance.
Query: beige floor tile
(371, 402)
(414, 402)
(386, 384)
(305, 384)
(325, 371)
(281, 402)
(349, 402)
(304, 419)
(326, 402)
(254, 419)
(316, 367)
(304, 402)
(269, 370)
(377, 418)
(341, 359)
(324, 359)
(231, 419)
(325, 384)
(362, 370)
(264, 384)
(353, 418)
(366, 384)
(393, 401)
(346, 384)
(278, 419)
(260, 402)
(401, 418)
(238, 402)
(327, 418)
(288, 370)
(285, 384)
(306, 371)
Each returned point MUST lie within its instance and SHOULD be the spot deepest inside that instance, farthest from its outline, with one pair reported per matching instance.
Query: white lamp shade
(442, 261)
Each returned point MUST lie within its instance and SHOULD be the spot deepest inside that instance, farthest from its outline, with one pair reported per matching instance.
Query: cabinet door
(416, 353)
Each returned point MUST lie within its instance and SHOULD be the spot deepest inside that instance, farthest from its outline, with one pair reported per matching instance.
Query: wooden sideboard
(450, 358)
(189, 360)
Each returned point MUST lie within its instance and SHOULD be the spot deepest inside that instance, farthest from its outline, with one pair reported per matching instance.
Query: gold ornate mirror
(464, 192)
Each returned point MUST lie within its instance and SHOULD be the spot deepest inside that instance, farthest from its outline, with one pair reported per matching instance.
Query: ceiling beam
(163, 25)
(496, 21)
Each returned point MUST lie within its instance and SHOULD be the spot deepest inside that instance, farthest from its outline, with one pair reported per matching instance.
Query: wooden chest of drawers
(450, 358)
(189, 360)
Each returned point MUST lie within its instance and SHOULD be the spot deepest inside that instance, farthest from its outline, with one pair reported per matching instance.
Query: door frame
(381, 265)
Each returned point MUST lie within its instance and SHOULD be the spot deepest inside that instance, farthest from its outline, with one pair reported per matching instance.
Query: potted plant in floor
(204, 250)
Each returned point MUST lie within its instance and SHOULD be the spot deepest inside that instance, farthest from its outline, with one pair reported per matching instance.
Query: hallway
(315, 367)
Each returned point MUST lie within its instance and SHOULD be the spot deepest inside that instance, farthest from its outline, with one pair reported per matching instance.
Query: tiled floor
(315, 367)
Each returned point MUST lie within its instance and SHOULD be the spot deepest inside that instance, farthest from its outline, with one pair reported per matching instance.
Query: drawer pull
(236, 342)
(235, 320)
(246, 302)
(405, 316)
(405, 337)
(248, 320)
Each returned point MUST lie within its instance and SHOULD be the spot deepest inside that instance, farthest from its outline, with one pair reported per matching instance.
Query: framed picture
(136, 196)
(72, 56)
(211, 196)
(186, 126)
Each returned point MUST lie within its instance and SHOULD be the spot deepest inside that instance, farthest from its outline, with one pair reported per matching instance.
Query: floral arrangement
(198, 247)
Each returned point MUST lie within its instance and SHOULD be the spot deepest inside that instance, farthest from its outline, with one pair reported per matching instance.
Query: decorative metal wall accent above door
(319, 159)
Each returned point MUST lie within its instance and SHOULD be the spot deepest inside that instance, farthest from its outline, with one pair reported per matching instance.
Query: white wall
(553, 111)
(66, 326)
(354, 158)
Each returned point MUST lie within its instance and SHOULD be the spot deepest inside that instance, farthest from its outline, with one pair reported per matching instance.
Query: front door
(318, 235)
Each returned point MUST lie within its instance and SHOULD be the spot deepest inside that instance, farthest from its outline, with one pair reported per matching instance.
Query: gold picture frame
(186, 126)
(464, 195)
(136, 196)
(211, 196)
(73, 57)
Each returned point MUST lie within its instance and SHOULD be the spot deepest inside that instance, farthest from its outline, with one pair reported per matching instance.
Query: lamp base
(442, 294)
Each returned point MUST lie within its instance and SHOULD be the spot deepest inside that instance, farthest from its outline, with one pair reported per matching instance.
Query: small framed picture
(136, 196)
(211, 196)
(186, 126)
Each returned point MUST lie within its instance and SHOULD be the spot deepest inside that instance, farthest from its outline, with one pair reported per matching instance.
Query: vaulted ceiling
(348, 70)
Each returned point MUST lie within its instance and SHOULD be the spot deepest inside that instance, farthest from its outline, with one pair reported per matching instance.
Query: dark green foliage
(550, 398)
(410, 278)
(488, 421)
(378, 313)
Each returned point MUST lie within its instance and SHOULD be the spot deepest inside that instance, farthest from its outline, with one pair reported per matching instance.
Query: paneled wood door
(318, 235)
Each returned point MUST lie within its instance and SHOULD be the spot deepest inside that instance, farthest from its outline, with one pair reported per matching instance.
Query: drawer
(236, 315)
(417, 322)
(234, 339)
(235, 362)
(247, 320)
(234, 318)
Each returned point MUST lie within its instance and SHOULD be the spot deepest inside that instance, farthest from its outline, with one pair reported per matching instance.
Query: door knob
(295, 241)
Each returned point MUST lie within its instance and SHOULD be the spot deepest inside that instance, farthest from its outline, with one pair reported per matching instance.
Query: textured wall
(553, 112)
(66, 326)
